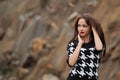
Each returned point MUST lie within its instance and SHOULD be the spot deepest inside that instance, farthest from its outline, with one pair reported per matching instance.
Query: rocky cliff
(34, 35)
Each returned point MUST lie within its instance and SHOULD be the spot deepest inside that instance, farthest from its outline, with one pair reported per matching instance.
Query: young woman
(85, 48)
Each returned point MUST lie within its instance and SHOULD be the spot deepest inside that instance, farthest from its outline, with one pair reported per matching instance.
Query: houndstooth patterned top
(86, 66)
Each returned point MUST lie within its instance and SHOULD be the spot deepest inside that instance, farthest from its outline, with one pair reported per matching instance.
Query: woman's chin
(82, 35)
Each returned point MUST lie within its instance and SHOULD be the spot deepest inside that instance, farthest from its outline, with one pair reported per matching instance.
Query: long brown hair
(92, 22)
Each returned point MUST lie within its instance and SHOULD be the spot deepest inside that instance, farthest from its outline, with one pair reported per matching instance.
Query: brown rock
(73, 16)
(1, 33)
(22, 21)
(50, 77)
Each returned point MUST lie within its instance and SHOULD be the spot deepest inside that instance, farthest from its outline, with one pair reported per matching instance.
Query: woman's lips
(81, 32)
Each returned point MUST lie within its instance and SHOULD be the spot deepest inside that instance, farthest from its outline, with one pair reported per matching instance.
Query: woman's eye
(84, 25)
(79, 25)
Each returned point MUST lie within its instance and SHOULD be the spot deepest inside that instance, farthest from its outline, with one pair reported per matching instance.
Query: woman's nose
(81, 28)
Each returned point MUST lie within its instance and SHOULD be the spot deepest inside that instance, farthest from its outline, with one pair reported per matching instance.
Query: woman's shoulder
(73, 42)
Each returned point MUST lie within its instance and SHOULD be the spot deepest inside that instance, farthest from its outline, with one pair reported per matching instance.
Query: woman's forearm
(73, 58)
(98, 42)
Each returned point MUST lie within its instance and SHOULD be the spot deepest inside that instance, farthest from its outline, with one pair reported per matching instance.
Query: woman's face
(83, 28)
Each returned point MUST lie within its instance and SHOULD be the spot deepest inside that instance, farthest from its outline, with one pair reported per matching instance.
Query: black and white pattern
(88, 60)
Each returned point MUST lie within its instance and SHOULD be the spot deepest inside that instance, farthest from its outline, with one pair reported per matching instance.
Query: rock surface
(23, 21)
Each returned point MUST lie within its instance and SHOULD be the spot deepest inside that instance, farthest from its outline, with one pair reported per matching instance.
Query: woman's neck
(86, 39)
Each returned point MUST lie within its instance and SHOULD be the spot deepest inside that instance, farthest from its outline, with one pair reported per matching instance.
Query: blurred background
(34, 35)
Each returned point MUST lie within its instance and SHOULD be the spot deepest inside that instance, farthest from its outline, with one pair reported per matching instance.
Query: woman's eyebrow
(82, 24)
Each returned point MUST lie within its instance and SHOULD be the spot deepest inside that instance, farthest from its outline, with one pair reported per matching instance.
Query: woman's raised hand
(80, 40)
